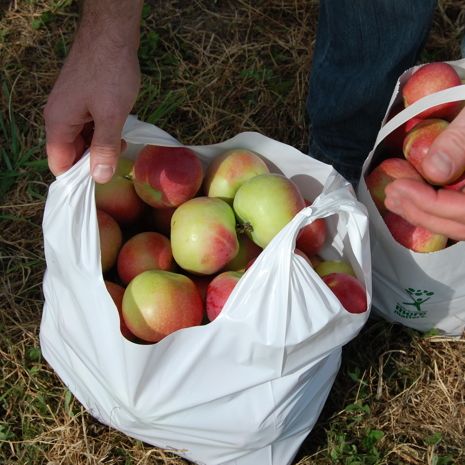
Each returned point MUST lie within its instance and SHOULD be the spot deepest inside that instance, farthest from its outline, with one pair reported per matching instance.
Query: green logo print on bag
(412, 309)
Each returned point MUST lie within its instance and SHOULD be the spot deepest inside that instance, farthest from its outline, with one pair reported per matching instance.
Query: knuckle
(104, 152)
(114, 117)
(455, 141)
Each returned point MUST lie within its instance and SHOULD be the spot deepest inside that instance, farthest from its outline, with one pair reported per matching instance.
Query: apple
(411, 123)
(454, 113)
(144, 251)
(429, 79)
(219, 290)
(111, 239)
(167, 176)
(386, 172)
(248, 250)
(312, 237)
(316, 260)
(265, 204)
(202, 282)
(418, 141)
(393, 141)
(229, 170)
(349, 291)
(457, 185)
(203, 235)
(118, 196)
(160, 219)
(156, 303)
(326, 267)
(250, 263)
(116, 293)
(413, 237)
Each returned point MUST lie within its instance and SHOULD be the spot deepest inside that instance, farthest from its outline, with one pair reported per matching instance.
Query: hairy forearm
(114, 22)
(97, 84)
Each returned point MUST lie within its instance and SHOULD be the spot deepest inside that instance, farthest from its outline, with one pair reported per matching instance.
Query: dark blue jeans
(362, 47)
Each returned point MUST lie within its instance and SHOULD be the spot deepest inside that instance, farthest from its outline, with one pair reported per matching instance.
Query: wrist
(113, 25)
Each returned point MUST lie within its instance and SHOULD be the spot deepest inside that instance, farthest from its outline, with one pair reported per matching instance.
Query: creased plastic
(424, 291)
(244, 389)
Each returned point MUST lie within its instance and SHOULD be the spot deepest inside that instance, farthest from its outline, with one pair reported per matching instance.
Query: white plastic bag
(423, 291)
(244, 389)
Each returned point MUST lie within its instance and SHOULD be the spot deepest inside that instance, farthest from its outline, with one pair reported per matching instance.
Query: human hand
(439, 210)
(98, 84)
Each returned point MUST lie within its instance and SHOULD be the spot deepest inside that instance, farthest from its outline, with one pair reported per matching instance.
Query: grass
(20, 155)
(209, 71)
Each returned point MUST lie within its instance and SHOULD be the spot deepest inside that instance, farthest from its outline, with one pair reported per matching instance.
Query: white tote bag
(424, 291)
(245, 389)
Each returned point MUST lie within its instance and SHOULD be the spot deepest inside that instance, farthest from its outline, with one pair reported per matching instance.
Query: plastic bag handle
(334, 202)
(327, 204)
(452, 94)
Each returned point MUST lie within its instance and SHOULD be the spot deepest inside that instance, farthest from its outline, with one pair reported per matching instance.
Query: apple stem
(242, 228)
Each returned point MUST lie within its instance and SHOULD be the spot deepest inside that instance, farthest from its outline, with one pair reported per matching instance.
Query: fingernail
(441, 164)
(393, 203)
(102, 173)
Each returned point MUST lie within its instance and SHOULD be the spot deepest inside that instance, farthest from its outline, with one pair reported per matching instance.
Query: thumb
(445, 161)
(105, 149)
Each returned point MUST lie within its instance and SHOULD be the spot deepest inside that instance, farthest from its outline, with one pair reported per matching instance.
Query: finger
(105, 149)
(63, 146)
(61, 156)
(440, 203)
(440, 211)
(87, 133)
(449, 228)
(446, 158)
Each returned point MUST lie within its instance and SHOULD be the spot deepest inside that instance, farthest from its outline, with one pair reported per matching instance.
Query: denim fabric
(362, 47)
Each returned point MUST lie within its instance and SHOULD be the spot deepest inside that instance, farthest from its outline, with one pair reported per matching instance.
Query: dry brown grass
(236, 68)
(411, 388)
(219, 69)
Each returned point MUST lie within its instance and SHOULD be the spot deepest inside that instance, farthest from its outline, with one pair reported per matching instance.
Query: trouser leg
(362, 47)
